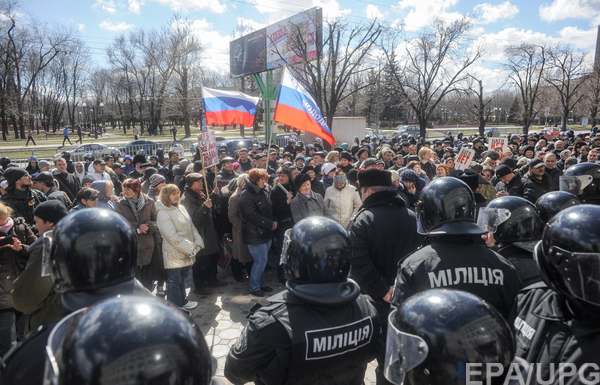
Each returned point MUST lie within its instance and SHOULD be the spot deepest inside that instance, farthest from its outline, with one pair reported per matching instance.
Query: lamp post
(102, 115)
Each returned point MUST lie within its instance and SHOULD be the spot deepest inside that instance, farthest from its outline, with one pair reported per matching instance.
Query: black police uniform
(523, 262)
(308, 334)
(459, 262)
(548, 334)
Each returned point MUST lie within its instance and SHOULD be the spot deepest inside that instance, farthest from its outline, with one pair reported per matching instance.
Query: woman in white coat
(181, 242)
(341, 200)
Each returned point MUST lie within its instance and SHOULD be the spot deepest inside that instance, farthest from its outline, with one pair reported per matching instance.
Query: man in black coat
(536, 182)
(509, 184)
(20, 197)
(67, 182)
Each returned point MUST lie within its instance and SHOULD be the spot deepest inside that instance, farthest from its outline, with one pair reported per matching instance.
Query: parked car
(134, 147)
(411, 129)
(374, 133)
(491, 131)
(235, 144)
(96, 149)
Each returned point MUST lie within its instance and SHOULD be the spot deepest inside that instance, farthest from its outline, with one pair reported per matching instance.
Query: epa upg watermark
(547, 374)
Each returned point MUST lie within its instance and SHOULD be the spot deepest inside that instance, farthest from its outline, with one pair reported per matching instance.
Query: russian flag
(295, 107)
(228, 107)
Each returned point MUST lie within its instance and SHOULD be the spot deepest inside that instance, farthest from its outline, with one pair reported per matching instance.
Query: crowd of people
(355, 233)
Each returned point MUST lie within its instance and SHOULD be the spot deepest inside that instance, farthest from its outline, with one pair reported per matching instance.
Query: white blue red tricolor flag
(295, 107)
(228, 107)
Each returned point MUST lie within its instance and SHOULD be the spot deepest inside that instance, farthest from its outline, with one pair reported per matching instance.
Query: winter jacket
(68, 183)
(202, 218)
(23, 203)
(240, 249)
(533, 188)
(304, 207)
(382, 233)
(257, 215)
(514, 187)
(181, 241)
(33, 293)
(555, 174)
(147, 215)
(12, 263)
(341, 205)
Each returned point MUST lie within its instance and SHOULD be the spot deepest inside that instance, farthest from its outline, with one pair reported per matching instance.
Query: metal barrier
(21, 156)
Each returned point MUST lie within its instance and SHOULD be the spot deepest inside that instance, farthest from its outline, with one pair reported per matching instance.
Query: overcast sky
(495, 23)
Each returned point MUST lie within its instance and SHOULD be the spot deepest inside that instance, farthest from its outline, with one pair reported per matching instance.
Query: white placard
(463, 160)
(208, 149)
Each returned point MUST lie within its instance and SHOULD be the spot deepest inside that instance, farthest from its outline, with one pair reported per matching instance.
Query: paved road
(222, 317)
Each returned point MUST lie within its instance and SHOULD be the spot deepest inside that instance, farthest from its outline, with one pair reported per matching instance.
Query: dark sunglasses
(92, 198)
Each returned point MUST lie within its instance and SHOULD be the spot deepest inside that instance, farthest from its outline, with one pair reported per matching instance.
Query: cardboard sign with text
(208, 148)
(463, 160)
(500, 145)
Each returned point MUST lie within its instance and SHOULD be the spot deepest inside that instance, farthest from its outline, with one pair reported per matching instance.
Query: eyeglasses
(92, 198)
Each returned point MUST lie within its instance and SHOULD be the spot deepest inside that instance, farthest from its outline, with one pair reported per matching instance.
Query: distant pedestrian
(66, 136)
(30, 137)
(174, 130)
(136, 133)
(80, 140)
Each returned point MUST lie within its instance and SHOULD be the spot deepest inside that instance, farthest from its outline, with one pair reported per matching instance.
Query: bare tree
(480, 106)
(525, 66)
(342, 56)
(431, 66)
(592, 95)
(566, 73)
(186, 49)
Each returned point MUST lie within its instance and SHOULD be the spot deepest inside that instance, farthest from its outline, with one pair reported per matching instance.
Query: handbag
(225, 252)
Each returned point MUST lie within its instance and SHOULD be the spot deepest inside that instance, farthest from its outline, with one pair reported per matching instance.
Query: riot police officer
(449, 337)
(90, 256)
(320, 330)
(556, 321)
(127, 340)
(455, 256)
(583, 180)
(514, 227)
(550, 204)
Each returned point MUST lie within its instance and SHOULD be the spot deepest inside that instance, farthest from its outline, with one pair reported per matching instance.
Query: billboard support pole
(268, 92)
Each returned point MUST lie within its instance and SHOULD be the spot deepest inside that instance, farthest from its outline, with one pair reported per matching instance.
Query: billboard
(273, 46)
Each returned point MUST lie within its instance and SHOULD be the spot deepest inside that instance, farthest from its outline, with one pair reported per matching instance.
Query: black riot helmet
(512, 220)
(568, 255)
(66, 155)
(318, 251)
(89, 249)
(447, 206)
(88, 156)
(160, 152)
(4, 161)
(127, 340)
(434, 334)
(588, 175)
(553, 202)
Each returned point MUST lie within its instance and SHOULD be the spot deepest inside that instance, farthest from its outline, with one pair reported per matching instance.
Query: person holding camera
(15, 236)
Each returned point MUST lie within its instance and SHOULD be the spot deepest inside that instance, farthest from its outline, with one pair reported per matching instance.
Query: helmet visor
(54, 348)
(287, 239)
(579, 272)
(575, 184)
(491, 218)
(46, 251)
(403, 352)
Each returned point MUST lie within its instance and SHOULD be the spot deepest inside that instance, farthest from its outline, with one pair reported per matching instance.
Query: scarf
(7, 226)
(137, 205)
